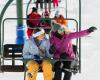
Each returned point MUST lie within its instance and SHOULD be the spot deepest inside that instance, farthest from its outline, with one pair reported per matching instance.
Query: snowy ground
(90, 46)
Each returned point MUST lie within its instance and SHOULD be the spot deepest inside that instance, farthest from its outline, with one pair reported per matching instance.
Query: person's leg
(57, 2)
(49, 4)
(67, 74)
(32, 69)
(58, 71)
(41, 4)
(47, 70)
(37, 2)
(45, 6)
(54, 3)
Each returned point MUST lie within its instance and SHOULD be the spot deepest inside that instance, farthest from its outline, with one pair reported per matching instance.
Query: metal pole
(19, 11)
(20, 30)
(80, 38)
(66, 8)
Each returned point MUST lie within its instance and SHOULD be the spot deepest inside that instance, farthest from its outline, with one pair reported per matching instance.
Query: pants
(33, 68)
(41, 3)
(58, 70)
(49, 4)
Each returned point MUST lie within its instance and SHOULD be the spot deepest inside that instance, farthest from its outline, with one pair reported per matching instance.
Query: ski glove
(64, 56)
(92, 29)
(36, 57)
(52, 49)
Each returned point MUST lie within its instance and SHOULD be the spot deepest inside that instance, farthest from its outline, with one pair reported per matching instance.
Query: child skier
(61, 43)
(32, 23)
(36, 50)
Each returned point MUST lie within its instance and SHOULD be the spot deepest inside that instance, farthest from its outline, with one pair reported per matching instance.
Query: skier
(46, 24)
(36, 51)
(62, 48)
(32, 23)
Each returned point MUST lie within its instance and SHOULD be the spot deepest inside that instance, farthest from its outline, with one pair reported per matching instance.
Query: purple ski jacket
(64, 45)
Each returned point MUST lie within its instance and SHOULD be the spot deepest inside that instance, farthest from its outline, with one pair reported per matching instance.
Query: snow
(90, 44)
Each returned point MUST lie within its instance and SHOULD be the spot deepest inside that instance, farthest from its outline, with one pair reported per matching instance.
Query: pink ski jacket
(64, 45)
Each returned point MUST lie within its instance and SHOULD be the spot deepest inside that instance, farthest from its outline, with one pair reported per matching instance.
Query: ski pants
(58, 70)
(33, 68)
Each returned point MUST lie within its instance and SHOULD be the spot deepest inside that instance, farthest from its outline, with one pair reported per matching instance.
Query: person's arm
(82, 33)
(26, 53)
(78, 34)
(52, 46)
(49, 55)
